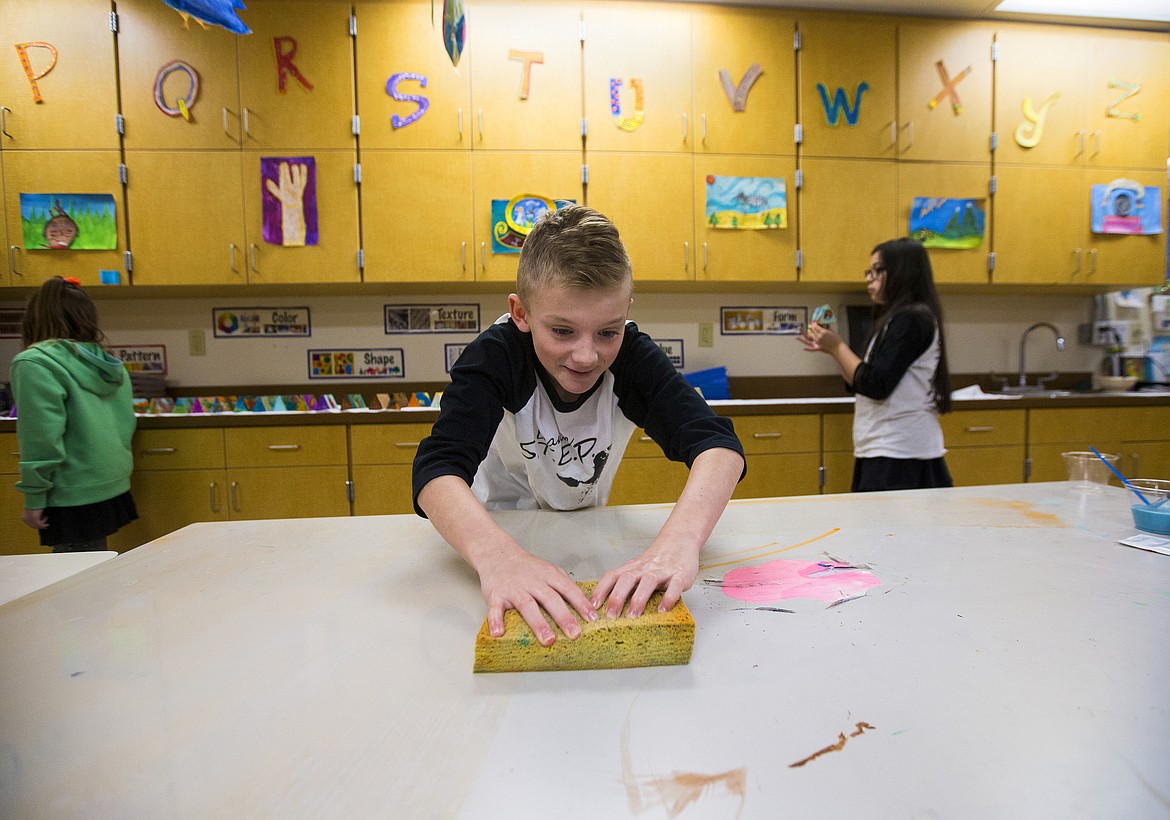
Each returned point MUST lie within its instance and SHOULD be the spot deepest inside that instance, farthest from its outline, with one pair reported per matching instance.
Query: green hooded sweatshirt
(75, 419)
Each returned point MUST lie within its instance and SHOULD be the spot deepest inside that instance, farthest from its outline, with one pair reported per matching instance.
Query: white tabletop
(22, 574)
(1011, 663)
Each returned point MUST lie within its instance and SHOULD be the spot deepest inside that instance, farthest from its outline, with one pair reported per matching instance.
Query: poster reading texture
(746, 203)
(938, 222)
(1127, 207)
(74, 222)
(289, 199)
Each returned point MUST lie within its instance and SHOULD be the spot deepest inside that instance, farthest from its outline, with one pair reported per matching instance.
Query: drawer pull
(767, 435)
(159, 451)
(213, 496)
(980, 429)
(235, 495)
(284, 446)
(645, 438)
(407, 444)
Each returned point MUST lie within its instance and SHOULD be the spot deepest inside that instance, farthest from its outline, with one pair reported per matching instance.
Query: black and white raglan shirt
(503, 429)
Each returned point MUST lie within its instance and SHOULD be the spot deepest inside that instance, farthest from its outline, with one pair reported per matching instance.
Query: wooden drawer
(386, 443)
(838, 432)
(642, 446)
(1088, 425)
(984, 428)
(779, 434)
(178, 449)
(286, 446)
(9, 454)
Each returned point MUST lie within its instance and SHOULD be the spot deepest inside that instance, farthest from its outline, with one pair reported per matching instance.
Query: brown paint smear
(835, 747)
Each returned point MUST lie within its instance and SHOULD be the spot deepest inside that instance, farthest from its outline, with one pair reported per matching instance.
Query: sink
(1034, 390)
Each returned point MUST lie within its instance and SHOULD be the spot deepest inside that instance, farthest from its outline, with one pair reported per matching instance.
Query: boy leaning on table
(537, 416)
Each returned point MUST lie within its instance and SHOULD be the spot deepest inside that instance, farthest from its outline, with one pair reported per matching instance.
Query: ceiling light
(1158, 10)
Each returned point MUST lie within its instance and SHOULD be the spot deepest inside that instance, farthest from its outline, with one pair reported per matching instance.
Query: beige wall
(983, 334)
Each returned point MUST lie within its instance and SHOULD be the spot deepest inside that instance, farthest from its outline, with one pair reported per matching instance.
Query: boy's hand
(656, 568)
(521, 581)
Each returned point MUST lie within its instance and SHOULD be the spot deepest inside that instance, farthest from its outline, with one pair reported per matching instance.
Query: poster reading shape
(755, 321)
(747, 203)
(142, 358)
(432, 318)
(360, 363)
(261, 322)
(1126, 207)
(288, 193)
(75, 222)
(938, 222)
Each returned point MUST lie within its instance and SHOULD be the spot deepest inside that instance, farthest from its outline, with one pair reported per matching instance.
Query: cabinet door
(944, 90)
(731, 255)
(838, 472)
(846, 208)
(168, 500)
(162, 60)
(293, 446)
(951, 181)
(654, 480)
(971, 466)
(1120, 259)
(780, 474)
(399, 49)
(64, 173)
(334, 205)
(651, 200)
(188, 215)
(848, 87)
(416, 216)
(75, 79)
(502, 175)
(526, 76)
(638, 73)
(1145, 459)
(382, 489)
(17, 539)
(1129, 131)
(738, 42)
(1041, 214)
(296, 77)
(287, 492)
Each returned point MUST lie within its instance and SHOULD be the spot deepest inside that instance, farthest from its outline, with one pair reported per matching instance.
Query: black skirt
(871, 475)
(87, 522)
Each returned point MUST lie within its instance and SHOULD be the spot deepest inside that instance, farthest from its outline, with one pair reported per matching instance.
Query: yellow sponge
(653, 639)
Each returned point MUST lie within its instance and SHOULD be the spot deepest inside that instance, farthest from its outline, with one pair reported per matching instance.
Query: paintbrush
(1120, 477)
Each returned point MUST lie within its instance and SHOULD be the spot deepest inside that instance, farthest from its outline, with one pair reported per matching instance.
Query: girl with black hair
(902, 384)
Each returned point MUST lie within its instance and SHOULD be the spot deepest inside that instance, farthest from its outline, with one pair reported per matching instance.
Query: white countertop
(22, 574)
(1011, 663)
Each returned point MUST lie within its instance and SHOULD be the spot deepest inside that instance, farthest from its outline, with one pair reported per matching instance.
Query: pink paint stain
(780, 579)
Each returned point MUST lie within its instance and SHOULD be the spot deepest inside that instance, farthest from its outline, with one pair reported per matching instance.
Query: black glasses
(874, 272)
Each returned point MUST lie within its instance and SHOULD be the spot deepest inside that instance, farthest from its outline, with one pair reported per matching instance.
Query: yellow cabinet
(402, 70)
(1095, 97)
(848, 87)
(17, 538)
(1069, 253)
(745, 88)
(383, 455)
(645, 475)
(651, 200)
(837, 452)
(58, 89)
(287, 472)
(638, 77)
(847, 206)
(985, 446)
(59, 172)
(944, 91)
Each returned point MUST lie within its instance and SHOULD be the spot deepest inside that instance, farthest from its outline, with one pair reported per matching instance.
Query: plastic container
(1152, 519)
(1087, 471)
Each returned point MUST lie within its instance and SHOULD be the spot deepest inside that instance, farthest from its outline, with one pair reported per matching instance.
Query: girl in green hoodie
(74, 422)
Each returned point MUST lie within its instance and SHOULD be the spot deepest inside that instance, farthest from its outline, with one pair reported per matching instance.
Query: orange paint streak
(833, 747)
(765, 554)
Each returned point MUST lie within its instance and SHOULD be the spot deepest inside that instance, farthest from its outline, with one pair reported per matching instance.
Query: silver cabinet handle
(460, 124)
(893, 133)
(1077, 255)
(767, 435)
(213, 496)
(406, 444)
(481, 125)
(703, 127)
(284, 447)
(247, 126)
(909, 136)
(686, 255)
(225, 127)
(980, 429)
(252, 250)
(4, 121)
(483, 256)
(1081, 141)
(1096, 143)
(1092, 261)
(159, 451)
(12, 251)
(704, 256)
(645, 438)
(235, 492)
(463, 256)
(232, 251)
(684, 128)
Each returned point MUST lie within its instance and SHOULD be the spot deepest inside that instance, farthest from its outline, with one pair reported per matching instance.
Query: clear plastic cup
(1087, 472)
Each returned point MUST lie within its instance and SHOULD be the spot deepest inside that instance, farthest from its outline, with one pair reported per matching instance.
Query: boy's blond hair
(574, 247)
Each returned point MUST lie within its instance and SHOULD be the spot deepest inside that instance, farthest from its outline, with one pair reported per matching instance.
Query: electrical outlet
(1107, 334)
(706, 334)
(196, 346)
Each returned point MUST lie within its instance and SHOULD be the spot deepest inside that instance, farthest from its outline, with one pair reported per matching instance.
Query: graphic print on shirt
(571, 458)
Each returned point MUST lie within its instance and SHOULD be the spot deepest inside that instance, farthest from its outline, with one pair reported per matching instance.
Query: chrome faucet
(1023, 342)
